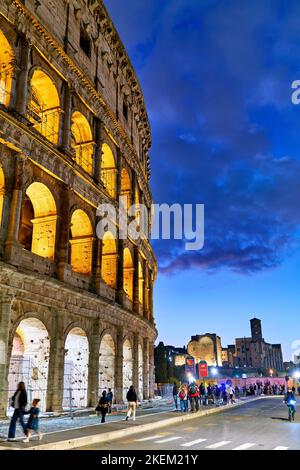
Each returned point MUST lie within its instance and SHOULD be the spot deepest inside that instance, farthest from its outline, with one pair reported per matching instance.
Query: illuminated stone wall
(206, 348)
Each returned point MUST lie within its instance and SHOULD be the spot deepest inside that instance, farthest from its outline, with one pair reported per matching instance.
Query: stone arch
(75, 388)
(109, 260)
(7, 67)
(44, 105)
(107, 358)
(81, 242)
(127, 366)
(108, 170)
(128, 271)
(125, 188)
(38, 220)
(140, 371)
(82, 141)
(29, 360)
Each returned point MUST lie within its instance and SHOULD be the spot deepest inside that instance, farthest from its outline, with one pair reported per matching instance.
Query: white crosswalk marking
(245, 446)
(150, 438)
(192, 443)
(218, 444)
(168, 439)
(280, 448)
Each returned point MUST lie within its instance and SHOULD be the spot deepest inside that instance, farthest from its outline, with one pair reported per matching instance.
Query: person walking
(217, 396)
(19, 403)
(103, 406)
(132, 403)
(175, 395)
(110, 397)
(182, 398)
(33, 421)
(194, 397)
(202, 394)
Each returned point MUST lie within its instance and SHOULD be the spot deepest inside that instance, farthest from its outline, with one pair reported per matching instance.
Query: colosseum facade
(76, 311)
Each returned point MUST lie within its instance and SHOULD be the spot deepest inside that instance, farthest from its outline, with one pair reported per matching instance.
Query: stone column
(146, 290)
(63, 232)
(151, 370)
(119, 366)
(146, 368)
(151, 314)
(135, 362)
(22, 84)
(96, 263)
(15, 209)
(56, 365)
(66, 126)
(120, 262)
(5, 313)
(98, 150)
(136, 302)
(119, 173)
(93, 373)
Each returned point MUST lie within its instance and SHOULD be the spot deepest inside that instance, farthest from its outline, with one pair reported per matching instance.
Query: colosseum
(76, 311)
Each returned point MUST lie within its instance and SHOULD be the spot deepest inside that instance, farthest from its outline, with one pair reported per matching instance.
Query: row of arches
(44, 111)
(29, 362)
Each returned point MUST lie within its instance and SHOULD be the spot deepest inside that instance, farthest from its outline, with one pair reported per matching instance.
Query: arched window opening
(38, 221)
(44, 106)
(141, 284)
(76, 369)
(82, 141)
(127, 367)
(109, 260)
(140, 374)
(7, 65)
(108, 170)
(128, 270)
(106, 364)
(81, 242)
(85, 42)
(125, 189)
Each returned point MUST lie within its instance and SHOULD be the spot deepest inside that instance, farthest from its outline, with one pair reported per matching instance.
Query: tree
(161, 364)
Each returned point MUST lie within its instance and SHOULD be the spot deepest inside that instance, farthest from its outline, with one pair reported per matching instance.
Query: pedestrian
(182, 399)
(110, 397)
(19, 403)
(103, 406)
(33, 421)
(217, 394)
(132, 403)
(231, 395)
(175, 395)
(202, 394)
(194, 397)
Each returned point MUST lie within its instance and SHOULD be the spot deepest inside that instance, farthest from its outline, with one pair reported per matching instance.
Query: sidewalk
(114, 429)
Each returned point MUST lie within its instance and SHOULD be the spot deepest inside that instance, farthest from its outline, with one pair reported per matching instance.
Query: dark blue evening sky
(216, 76)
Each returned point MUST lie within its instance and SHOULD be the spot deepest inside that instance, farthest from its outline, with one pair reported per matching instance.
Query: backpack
(181, 394)
(193, 390)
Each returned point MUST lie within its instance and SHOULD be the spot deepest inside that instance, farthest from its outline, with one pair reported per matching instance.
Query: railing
(45, 121)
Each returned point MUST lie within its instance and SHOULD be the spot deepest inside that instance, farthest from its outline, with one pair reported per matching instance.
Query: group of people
(105, 403)
(19, 403)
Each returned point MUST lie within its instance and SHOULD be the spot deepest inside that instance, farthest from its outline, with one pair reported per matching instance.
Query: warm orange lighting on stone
(44, 107)
(108, 170)
(2, 192)
(6, 69)
(128, 273)
(109, 260)
(126, 189)
(81, 242)
(141, 284)
(82, 141)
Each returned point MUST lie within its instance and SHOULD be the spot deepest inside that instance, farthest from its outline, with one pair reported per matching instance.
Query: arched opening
(106, 364)
(38, 221)
(127, 367)
(29, 360)
(44, 106)
(140, 372)
(7, 65)
(128, 270)
(125, 189)
(76, 369)
(109, 260)
(81, 242)
(2, 192)
(141, 284)
(108, 170)
(82, 141)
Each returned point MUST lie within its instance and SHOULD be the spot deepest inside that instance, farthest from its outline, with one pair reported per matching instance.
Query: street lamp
(271, 372)
(296, 375)
(214, 371)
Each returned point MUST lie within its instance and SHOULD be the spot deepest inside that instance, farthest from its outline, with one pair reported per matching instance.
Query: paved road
(258, 425)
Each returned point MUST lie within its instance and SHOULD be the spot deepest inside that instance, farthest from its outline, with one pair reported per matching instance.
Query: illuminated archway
(82, 141)
(106, 364)
(108, 170)
(140, 372)
(81, 242)
(7, 60)
(76, 369)
(127, 367)
(109, 260)
(125, 189)
(128, 270)
(141, 284)
(44, 106)
(29, 360)
(2, 192)
(38, 221)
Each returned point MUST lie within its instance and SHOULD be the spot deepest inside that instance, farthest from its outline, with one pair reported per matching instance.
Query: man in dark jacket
(132, 403)
(18, 402)
(175, 395)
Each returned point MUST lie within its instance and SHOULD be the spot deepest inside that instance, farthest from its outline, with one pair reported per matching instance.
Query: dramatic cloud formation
(216, 76)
